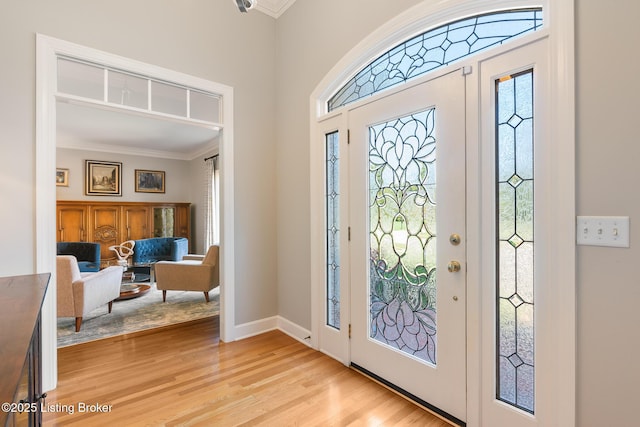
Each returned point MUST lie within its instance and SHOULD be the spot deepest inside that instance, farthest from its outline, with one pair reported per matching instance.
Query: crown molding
(274, 8)
(85, 145)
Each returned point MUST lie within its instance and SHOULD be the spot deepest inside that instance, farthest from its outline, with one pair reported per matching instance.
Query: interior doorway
(48, 52)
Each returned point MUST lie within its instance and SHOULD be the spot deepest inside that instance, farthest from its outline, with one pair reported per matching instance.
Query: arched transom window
(436, 48)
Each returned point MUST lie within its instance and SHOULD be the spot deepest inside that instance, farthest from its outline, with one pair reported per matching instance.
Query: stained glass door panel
(402, 229)
(515, 346)
(407, 309)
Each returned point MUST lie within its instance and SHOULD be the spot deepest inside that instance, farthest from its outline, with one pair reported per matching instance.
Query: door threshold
(411, 397)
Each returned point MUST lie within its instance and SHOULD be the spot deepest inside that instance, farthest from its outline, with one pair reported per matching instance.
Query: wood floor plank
(184, 376)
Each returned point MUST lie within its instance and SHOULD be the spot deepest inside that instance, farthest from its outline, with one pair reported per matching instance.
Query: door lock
(454, 266)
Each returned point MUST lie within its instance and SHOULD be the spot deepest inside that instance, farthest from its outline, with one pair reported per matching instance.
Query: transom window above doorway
(82, 81)
(436, 48)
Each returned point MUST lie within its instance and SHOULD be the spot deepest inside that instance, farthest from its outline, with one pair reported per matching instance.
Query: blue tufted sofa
(87, 254)
(160, 249)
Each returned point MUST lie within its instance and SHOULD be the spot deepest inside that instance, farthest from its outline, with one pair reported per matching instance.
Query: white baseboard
(258, 327)
(294, 330)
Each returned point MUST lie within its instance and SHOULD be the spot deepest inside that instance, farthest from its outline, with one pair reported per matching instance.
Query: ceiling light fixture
(245, 5)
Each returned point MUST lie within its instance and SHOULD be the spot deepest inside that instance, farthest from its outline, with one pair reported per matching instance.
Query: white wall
(178, 180)
(608, 151)
(204, 38)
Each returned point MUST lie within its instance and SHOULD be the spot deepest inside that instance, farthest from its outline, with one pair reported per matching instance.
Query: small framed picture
(103, 178)
(149, 181)
(62, 177)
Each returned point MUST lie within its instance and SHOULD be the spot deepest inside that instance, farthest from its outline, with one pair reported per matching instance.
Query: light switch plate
(603, 231)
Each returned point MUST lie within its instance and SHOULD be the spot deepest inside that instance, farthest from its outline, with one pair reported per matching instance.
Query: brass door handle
(453, 266)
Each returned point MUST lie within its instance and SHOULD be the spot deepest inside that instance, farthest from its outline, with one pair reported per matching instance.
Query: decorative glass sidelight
(515, 221)
(436, 48)
(333, 228)
(402, 202)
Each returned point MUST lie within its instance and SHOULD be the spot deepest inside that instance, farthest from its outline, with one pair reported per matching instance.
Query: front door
(407, 218)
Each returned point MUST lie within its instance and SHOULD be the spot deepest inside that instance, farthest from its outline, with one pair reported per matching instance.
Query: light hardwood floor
(184, 376)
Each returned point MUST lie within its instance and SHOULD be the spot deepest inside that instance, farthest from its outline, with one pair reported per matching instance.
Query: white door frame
(560, 30)
(47, 51)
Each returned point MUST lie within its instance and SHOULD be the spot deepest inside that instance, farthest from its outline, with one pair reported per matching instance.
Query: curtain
(211, 203)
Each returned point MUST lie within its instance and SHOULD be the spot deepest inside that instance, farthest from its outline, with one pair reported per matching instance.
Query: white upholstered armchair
(193, 273)
(79, 294)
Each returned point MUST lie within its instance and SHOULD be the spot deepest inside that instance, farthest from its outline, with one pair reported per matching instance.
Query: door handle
(453, 266)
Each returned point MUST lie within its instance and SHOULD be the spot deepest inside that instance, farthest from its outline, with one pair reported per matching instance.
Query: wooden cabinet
(104, 228)
(137, 223)
(111, 223)
(182, 221)
(72, 223)
(21, 298)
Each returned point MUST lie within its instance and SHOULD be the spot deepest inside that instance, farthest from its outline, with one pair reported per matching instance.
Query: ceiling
(98, 129)
(274, 8)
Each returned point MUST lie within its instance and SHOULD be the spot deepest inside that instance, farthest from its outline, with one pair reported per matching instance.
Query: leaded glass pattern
(333, 228)
(402, 201)
(436, 48)
(515, 219)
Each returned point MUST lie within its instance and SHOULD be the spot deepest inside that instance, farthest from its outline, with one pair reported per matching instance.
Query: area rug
(136, 314)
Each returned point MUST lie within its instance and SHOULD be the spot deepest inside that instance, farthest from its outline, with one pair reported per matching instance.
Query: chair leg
(206, 296)
(78, 323)
(110, 306)
(164, 296)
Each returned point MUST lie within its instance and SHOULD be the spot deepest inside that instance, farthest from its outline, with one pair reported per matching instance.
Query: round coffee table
(134, 286)
(132, 290)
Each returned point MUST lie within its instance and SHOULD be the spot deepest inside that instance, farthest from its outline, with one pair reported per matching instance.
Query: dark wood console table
(21, 300)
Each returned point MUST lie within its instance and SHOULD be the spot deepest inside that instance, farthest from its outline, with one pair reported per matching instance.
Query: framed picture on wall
(103, 178)
(62, 177)
(149, 181)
